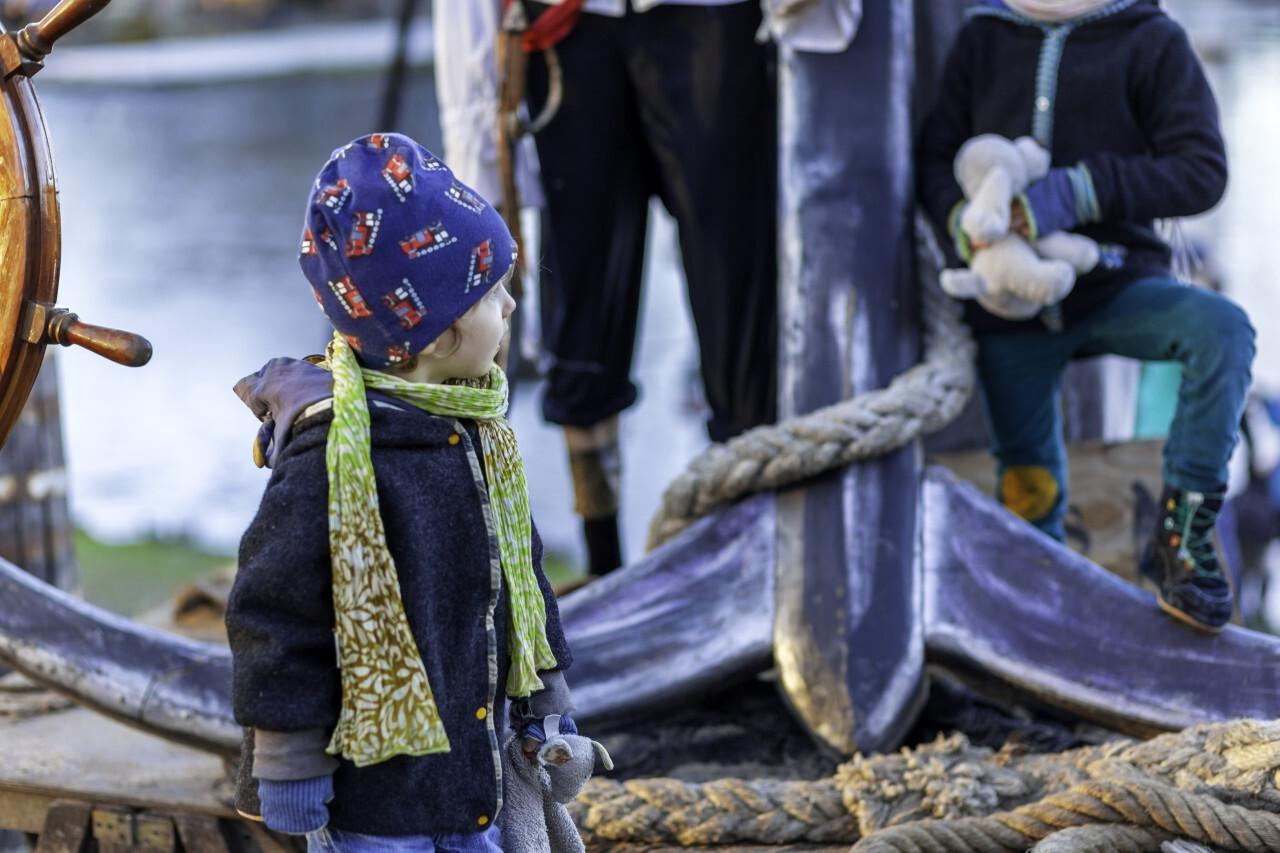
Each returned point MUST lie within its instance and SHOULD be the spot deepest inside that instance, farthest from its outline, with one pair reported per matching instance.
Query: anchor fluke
(49, 324)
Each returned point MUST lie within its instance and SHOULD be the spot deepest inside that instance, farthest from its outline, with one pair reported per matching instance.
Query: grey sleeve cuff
(285, 756)
(554, 696)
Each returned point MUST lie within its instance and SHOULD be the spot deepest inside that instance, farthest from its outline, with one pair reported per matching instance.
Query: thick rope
(1103, 838)
(921, 400)
(1214, 783)
(1158, 811)
(656, 811)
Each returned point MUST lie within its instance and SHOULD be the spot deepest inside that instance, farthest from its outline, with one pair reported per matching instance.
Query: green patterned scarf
(388, 708)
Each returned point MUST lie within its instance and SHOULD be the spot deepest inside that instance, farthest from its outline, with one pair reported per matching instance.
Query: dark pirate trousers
(678, 102)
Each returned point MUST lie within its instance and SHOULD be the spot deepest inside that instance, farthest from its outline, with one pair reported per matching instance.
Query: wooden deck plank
(79, 755)
(23, 811)
(67, 828)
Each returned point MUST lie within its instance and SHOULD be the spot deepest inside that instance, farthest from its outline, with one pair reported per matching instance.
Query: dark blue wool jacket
(1120, 91)
(280, 619)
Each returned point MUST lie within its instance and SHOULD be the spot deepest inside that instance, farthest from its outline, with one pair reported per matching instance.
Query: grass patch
(132, 578)
(557, 569)
(129, 579)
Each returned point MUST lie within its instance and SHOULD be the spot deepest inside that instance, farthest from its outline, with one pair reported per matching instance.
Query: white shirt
(467, 91)
(617, 8)
(822, 26)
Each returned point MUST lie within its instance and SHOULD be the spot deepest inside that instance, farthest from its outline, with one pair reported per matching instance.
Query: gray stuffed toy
(533, 817)
(1011, 277)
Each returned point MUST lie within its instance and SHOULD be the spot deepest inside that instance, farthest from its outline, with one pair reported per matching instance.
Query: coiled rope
(918, 401)
(1212, 783)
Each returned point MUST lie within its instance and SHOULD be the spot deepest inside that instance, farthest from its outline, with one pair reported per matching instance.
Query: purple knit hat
(396, 248)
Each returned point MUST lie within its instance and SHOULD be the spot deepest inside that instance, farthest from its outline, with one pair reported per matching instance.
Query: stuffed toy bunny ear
(1035, 155)
(574, 762)
(604, 755)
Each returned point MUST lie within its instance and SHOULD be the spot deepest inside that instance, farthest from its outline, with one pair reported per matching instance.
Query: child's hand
(1019, 223)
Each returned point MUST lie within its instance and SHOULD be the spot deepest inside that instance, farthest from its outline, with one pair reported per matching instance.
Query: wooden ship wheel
(30, 227)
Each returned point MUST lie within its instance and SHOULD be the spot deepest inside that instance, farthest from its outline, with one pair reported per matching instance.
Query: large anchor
(30, 227)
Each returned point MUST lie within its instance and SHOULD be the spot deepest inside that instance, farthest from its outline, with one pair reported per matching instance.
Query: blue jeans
(1153, 319)
(337, 841)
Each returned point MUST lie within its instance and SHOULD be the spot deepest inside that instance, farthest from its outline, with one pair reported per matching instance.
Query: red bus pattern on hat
(398, 176)
(405, 304)
(335, 195)
(391, 294)
(481, 269)
(349, 296)
(327, 237)
(465, 197)
(427, 240)
(431, 162)
(364, 233)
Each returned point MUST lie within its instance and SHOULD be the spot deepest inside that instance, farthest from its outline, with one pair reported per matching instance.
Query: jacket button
(481, 713)
(455, 438)
(482, 820)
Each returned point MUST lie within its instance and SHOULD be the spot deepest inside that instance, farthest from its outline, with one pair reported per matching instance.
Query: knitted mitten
(296, 806)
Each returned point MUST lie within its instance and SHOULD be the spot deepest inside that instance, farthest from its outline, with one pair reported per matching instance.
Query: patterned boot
(1183, 563)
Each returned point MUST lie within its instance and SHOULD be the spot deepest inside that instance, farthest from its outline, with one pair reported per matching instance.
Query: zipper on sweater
(1047, 83)
(1055, 36)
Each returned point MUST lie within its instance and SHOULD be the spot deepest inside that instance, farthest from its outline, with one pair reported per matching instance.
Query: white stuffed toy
(533, 817)
(1010, 277)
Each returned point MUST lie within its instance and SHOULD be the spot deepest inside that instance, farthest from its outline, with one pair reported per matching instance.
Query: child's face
(480, 332)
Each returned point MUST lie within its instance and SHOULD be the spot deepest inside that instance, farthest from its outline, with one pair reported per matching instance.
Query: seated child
(1114, 91)
(390, 593)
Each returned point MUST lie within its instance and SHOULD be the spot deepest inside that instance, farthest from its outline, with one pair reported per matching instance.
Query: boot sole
(1147, 576)
(1188, 622)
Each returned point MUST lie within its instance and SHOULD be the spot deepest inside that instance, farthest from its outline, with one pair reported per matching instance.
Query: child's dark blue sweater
(1119, 91)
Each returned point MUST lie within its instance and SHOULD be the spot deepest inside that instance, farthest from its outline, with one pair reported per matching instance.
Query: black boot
(1183, 563)
(604, 547)
(596, 473)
